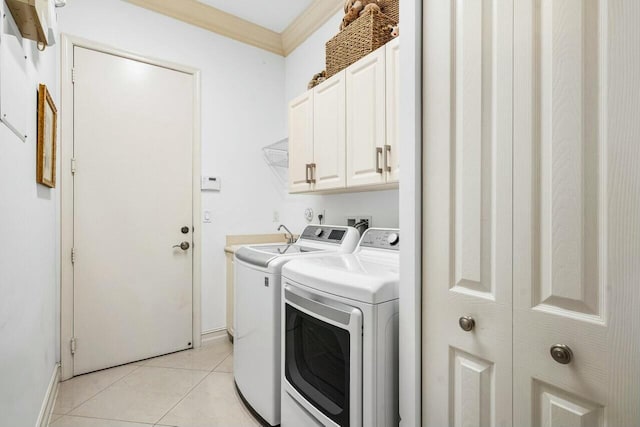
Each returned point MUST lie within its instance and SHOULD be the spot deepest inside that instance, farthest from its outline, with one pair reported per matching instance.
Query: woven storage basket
(391, 8)
(360, 38)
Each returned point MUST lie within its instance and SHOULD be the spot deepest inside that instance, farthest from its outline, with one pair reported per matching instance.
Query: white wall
(242, 98)
(29, 283)
(307, 60)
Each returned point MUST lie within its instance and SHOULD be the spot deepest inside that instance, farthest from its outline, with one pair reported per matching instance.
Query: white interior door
(133, 142)
(329, 132)
(366, 117)
(300, 142)
(577, 212)
(467, 262)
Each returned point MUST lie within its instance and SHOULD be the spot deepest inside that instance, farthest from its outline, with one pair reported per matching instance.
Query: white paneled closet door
(577, 212)
(467, 220)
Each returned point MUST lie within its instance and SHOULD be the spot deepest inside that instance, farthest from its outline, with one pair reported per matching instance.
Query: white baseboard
(208, 337)
(50, 398)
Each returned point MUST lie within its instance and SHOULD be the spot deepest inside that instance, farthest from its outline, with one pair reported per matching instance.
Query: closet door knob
(561, 353)
(467, 323)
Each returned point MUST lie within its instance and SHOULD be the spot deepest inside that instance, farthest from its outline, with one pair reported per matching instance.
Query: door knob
(467, 323)
(561, 353)
(184, 246)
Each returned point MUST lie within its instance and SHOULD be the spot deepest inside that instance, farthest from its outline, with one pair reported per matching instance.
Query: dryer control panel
(326, 234)
(381, 239)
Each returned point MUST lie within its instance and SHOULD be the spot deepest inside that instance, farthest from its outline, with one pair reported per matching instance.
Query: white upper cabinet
(392, 147)
(344, 133)
(329, 134)
(366, 118)
(301, 143)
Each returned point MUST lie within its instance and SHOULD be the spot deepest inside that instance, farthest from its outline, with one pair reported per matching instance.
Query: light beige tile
(54, 417)
(226, 365)
(213, 403)
(71, 421)
(78, 390)
(143, 396)
(204, 358)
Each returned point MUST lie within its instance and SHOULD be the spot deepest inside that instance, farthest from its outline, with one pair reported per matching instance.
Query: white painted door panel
(300, 142)
(366, 119)
(576, 207)
(392, 148)
(329, 131)
(467, 263)
(133, 136)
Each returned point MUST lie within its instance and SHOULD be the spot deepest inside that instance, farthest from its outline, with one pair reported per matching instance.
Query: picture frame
(47, 133)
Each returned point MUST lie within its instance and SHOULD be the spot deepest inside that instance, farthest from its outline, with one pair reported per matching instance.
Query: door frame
(410, 195)
(68, 43)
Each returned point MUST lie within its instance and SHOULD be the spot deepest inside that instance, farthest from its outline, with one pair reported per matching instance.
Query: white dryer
(340, 337)
(256, 357)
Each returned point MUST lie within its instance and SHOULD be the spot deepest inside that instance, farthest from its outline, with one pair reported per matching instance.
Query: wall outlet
(276, 216)
(322, 216)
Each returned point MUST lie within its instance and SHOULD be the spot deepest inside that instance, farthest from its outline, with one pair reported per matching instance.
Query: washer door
(323, 355)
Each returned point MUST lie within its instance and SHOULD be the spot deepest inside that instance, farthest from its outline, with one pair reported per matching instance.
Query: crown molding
(215, 20)
(309, 21)
(228, 25)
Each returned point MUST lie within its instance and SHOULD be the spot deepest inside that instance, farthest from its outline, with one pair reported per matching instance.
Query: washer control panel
(381, 239)
(323, 233)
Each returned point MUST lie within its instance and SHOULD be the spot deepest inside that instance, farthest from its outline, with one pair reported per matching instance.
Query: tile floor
(192, 388)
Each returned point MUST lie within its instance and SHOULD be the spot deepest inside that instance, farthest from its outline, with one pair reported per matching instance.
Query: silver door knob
(184, 246)
(561, 353)
(467, 323)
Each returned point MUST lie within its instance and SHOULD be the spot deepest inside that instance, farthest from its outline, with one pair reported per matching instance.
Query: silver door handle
(378, 155)
(312, 167)
(561, 353)
(184, 246)
(467, 323)
(387, 158)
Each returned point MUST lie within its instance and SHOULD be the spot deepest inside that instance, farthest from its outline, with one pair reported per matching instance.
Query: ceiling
(275, 15)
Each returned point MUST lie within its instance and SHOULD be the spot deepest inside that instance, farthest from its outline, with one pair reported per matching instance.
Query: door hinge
(73, 345)
(73, 255)
(73, 75)
(74, 165)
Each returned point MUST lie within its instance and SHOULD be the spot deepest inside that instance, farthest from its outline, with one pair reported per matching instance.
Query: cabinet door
(392, 148)
(366, 120)
(467, 262)
(300, 142)
(329, 134)
(576, 212)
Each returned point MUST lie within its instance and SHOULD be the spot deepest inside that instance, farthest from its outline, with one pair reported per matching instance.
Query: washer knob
(319, 232)
(393, 239)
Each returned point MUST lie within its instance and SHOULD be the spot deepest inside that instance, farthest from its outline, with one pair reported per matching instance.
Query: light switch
(210, 183)
(206, 217)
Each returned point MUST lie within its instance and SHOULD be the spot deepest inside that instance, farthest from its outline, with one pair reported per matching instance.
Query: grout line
(108, 419)
(100, 391)
(178, 369)
(183, 397)
(222, 361)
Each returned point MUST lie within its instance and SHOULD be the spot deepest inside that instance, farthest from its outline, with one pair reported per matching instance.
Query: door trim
(68, 43)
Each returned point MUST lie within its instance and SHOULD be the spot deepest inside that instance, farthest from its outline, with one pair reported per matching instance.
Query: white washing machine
(340, 337)
(257, 320)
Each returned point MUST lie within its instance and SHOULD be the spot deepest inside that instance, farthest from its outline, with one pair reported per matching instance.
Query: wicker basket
(391, 8)
(360, 38)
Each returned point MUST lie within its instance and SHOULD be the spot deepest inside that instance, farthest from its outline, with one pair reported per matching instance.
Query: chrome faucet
(290, 238)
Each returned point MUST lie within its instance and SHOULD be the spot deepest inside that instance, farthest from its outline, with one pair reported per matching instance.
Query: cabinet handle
(312, 166)
(387, 158)
(306, 175)
(378, 155)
